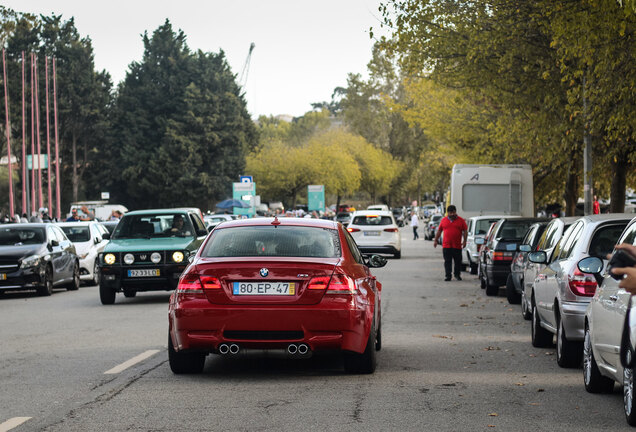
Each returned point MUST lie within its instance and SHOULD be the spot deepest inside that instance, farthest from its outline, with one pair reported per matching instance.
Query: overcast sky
(304, 48)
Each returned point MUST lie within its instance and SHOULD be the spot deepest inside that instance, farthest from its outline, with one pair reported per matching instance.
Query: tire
(183, 362)
(397, 255)
(541, 338)
(75, 283)
(628, 396)
(482, 282)
(96, 273)
(47, 287)
(106, 295)
(364, 363)
(378, 338)
(473, 268)
(568, 353)
(511, 292)
(491, 290)
(592, 378)
(526, 312)
(130, 293)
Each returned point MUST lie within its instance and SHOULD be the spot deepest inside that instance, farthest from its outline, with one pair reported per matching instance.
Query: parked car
(299, 285)
(477, 228)
(376, 232)
(89, 241)
(429, 210)
(561, 292)
(507, 234)
(213, 220)
(514, 284)
(344, 218)
(431, 226)
(483, 251)
(110, 225)
(550, 237)
(37, 256)
(148, 251)
(399, 215)
(604, 319)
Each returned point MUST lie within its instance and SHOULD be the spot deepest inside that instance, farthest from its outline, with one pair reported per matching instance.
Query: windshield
(514, 229)
(482, 225)
(288, 241)
(77, 234)
(21, 236)
(154, 226)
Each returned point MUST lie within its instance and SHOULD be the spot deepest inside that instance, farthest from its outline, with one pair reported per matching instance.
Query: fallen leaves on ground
(493, 415)
(492, 348)
(443, 337)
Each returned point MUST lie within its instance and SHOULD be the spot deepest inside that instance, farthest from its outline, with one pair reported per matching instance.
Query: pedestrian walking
(415, 222)
(455, 233)
(596, 206)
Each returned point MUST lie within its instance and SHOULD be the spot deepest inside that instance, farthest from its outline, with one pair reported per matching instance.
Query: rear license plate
(264, 288)
(144, 273)
(372, 233)
(3, 276)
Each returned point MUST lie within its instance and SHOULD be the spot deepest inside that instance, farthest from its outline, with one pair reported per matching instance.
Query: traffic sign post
(245, 192)
(316, 198)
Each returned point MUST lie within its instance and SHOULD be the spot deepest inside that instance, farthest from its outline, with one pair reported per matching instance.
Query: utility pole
(587, 156)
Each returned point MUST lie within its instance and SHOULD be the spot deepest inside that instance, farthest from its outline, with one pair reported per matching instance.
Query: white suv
(376, 232)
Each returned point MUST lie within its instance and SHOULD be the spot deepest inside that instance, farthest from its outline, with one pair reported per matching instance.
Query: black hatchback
(37, 256)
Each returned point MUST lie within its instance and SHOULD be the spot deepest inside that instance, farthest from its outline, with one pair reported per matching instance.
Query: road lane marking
(125, 365)
(12, 423)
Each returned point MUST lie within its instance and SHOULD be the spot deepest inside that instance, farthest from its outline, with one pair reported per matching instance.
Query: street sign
(316, 198)
(246, 179)
(105, 195)
(244, 191)
(43, 160)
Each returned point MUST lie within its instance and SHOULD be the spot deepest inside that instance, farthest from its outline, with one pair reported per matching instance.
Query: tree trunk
(619, 179)
(75, 179)
(337, 203)
(571, 194)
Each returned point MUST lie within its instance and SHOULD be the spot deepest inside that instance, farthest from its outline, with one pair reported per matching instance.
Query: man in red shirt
(596, 208)
(455, 232)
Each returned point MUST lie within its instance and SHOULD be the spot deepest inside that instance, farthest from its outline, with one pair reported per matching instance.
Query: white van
(100, 209)
(492, 190)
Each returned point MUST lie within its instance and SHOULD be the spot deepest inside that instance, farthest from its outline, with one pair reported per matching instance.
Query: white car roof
(371, 212)
(75, 224)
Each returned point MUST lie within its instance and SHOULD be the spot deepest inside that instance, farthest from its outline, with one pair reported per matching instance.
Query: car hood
(17, 252)
(140, 244)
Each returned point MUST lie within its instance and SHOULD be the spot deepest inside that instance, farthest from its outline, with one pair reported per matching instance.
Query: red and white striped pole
(32, 140)
(8, 128)
(58, 207)
(25, 210)
(48, 137)
(37, 128)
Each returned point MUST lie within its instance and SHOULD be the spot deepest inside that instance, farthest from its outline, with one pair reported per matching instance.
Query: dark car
(297, 285)
(431, 226)
(344, 218)
(148, 251)
(110, 225)
(502, 246)
(514, 284)
(37, 256)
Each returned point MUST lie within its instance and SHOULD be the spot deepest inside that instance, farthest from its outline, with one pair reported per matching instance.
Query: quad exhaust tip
(234, 349)
(303, 349)
(292, 349)
(224, 349)
(298, 349)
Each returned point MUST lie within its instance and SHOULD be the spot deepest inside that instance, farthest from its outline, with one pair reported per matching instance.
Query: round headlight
(109, 259)
(155, 257)
(129, 259)
(177, 256)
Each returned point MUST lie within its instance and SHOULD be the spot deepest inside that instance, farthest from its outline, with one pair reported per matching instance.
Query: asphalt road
(453, 359)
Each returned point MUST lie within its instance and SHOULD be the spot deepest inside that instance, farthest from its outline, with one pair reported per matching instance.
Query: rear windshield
(372, 220)
(156, 225)
(281, 241)
(514, 229)
(21, 236)
(77, 234)
(482, 225)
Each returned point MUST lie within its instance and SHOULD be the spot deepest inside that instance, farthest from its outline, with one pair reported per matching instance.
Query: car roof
(26, 225)
(608, 217)
(494, 216)
(155, 211)
(284, 221)
(78, 223)
(372, 213)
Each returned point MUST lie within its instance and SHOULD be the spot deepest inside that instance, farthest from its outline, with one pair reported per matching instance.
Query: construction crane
(246, 67)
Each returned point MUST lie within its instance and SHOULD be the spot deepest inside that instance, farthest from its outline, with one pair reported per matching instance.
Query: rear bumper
(573, 317)
(386, 249)
(498, 274)
(197, 325)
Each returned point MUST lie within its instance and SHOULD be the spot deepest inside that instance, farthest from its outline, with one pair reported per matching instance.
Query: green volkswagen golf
(148, 251)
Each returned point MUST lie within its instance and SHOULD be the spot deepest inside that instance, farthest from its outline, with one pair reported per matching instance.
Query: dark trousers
(450, 255)
(415, 236)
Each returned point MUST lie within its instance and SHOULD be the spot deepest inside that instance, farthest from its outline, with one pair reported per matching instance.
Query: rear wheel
(378, 338)
(592, 378)
(106, 295)
(47, 285)
(183, 362)
(568, 352)
(491, 290)
(362, 363)
(473, 268)
(75, 282)
(541, 338)
(511, 292)
(628, 396)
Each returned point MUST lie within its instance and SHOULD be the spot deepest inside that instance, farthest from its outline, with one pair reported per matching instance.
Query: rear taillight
(391, 229)
(341, 284)
(582, 284)
(189, 284)
(318, 283)
(210, 282)
(353, 229)
(502, 256)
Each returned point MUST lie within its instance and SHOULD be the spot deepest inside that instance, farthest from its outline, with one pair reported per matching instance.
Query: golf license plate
(144, 273)
(264, 288)
(372, 233)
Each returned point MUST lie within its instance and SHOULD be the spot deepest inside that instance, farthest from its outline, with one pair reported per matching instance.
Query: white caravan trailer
(492, 189)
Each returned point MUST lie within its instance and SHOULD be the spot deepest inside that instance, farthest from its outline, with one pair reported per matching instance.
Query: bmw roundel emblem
(264, 272)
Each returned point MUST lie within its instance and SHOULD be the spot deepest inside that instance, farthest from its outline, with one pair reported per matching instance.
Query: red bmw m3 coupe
(299, 285)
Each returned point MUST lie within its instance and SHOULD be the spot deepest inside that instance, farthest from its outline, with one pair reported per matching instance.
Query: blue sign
(246, 179)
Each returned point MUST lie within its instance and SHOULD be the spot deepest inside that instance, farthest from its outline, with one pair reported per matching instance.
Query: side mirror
(55, 243)
(191, 258)
(525, 248)
(376, 261)
(480, 241)
(593, 265)
(539, 257)
(106, 236)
